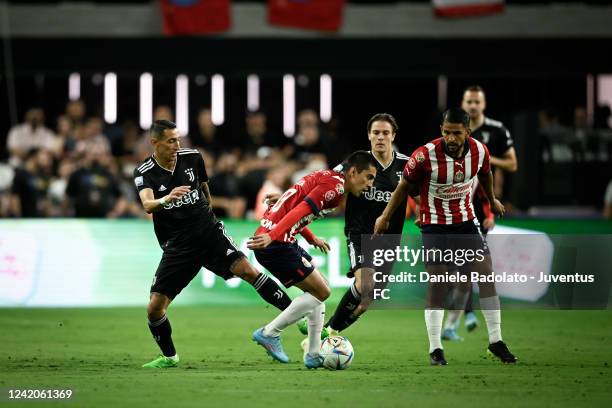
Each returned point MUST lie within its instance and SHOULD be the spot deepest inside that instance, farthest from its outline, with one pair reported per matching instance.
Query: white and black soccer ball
(337, 352)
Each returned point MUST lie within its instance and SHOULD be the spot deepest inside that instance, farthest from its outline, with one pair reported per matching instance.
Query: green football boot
(162, 362)
(302, 326)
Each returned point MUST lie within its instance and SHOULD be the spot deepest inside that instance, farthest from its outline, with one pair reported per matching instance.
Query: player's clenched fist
(178, 192)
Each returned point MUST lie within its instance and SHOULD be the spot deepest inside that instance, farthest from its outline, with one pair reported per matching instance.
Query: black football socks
(162, 333)
(343, 316)
(269, 291)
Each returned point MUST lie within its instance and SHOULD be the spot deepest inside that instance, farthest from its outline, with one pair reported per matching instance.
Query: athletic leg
(267, 288)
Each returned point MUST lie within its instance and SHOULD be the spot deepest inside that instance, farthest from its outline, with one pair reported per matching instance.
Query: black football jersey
(498, 140)
(361, 212)
(495, 136)
(182, 222)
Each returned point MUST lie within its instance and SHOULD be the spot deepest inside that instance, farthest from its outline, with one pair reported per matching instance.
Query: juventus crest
(189, 172)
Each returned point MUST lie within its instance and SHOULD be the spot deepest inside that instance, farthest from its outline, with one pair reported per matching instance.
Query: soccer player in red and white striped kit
(276, 248)
(442, 173)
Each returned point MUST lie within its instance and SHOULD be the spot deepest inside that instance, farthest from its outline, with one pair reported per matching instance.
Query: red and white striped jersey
(321, 190)
(445, 183)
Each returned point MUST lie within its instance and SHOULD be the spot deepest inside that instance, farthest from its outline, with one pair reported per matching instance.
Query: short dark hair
(474, 88)
(360, 159)
(383, 117)
(159, 126)
(456, 115)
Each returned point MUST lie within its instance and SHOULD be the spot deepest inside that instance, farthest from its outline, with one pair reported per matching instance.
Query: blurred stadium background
(268, 98)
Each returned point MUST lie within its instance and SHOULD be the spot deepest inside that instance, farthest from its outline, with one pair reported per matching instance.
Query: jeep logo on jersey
(191, 197)
(189, 172)
(377, 195)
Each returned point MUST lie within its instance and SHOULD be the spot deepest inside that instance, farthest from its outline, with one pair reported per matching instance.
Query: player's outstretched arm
(152, 204)
(400, 195)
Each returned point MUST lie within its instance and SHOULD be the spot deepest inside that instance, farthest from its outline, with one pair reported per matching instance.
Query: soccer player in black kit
(172, 185)
(361, 213)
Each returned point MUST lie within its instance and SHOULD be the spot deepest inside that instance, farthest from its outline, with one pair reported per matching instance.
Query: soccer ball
(337, 352)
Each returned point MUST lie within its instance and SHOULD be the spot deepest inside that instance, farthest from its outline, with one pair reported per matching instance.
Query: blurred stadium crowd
(83, 167)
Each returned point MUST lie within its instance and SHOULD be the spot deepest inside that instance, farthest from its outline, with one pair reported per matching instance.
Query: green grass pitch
(565, 359)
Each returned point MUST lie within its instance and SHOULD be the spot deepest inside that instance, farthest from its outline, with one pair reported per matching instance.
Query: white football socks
(433, 321)
(315, 326)
(490, 308)
(300, 306)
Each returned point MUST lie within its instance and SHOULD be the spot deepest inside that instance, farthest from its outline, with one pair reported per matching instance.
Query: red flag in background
(465, 8)
(184, 17)
(325, 15)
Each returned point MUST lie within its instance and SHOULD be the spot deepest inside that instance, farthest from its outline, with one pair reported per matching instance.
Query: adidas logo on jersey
(162, 188)
(229, 251)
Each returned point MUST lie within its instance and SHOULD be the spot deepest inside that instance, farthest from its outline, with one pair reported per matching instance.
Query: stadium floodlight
(325, 95)
(110, 97)
(217, 106)
(74, 86)
(289, 105)
(253, 93)
(182, 104)
(146, 100)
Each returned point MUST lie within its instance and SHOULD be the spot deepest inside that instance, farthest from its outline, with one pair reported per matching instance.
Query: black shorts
(179, 266)
(465, 236)
(288, 262)
(358, 259)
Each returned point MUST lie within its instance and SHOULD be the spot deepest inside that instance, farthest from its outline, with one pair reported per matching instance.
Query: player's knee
(359, 310)
(364, 281)
(486, 289)
(157, 307)
(486, 265)
(249, 274)
(323, 293)
(155, 312)
(244, 270)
